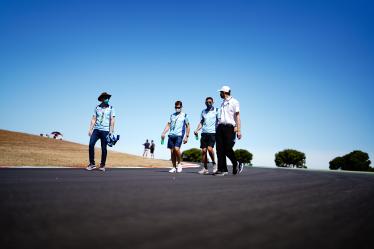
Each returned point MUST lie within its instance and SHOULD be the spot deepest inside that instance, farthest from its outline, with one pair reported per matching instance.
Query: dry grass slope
(20, 149)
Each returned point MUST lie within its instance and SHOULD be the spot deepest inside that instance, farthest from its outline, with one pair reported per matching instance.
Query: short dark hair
(178, 102)
(209, 98)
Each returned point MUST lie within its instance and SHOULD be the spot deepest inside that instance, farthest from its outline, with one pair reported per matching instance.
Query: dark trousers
(225, 140)
(96, 135)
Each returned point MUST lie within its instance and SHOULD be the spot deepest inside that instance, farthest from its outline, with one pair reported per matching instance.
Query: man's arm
(199, 126)
(187, 133)
(167, 127)
(112, 122)
(92, 124)
(238, 125)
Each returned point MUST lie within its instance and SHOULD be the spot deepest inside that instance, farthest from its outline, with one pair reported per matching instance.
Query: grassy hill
(20, 149)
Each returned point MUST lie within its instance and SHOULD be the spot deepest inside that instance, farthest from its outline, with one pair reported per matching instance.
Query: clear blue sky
(302, 70)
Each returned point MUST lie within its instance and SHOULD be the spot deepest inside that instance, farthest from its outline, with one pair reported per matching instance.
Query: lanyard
(175, 122)
(103, 110)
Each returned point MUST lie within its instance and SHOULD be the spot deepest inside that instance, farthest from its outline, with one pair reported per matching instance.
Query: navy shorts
(207, 140)
(175, 141)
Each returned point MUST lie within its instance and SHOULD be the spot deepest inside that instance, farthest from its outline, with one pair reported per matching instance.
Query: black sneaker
(102, 167)
(221, 173)
(234, 170)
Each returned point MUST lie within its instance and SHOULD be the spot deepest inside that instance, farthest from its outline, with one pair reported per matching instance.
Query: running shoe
(203, 171)
(91, 167)
(179, 168)
(240, 168)
(173, 170)
(219, 173)
(215, 168)
(234, 170)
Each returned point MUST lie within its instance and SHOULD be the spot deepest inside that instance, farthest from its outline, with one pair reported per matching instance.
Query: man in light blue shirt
(208, 123)
(178, 126)
(102, 124)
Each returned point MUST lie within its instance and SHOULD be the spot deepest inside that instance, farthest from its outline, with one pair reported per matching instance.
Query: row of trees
(289, 158)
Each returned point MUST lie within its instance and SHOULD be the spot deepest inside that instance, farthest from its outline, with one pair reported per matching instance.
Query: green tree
(336, 163)
(244, 156)
(356, 161)
(192, 155)
(290, 158)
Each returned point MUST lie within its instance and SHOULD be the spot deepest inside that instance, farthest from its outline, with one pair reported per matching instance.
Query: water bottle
(162, 141)
(197, 137)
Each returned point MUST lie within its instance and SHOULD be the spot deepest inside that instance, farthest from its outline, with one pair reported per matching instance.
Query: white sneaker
(91, 167)
(179, 167)
(215, 168)
(203, 171)
(102, 169)
(173, 170)
(240, 166)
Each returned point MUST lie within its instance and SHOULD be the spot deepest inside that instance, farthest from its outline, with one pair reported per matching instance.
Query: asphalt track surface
(150, 208)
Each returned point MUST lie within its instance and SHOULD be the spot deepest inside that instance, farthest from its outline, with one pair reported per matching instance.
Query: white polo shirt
(228, 110)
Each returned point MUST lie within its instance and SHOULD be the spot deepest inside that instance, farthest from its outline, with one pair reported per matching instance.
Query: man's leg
(221, 156)
(104, 144)
(177, 154)
(173, 159)
(211, 154)
(91, 147)
(229, 142)
(204, 157)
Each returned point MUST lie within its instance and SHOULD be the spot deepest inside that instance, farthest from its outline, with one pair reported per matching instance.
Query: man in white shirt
(229, 127)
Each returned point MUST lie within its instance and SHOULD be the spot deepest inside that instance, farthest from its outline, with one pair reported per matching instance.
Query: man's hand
(196, 132)
(163, 136)
(185, 140)
(239, 135)
(90, 132)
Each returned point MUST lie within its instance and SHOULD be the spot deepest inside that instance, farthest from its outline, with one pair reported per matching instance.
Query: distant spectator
(152, 148)
(147, 146)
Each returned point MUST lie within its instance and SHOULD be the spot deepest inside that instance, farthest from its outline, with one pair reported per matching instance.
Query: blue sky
(302, 70)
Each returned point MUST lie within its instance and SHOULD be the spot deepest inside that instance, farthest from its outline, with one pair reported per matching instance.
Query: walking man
(179, 126)
(102, 124)
(152, 148)
(208, 122)
(146, 148)
(229, 127)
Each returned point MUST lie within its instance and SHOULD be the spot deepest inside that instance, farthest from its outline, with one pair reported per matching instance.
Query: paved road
(150, 208)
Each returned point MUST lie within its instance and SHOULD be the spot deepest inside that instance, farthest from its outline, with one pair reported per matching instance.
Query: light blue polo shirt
(209, 119)
(178, 122)
(103, 116)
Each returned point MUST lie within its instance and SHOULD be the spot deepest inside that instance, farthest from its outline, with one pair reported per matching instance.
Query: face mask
(222, 95)
(208, 105)
(178, 110)
(106, 101)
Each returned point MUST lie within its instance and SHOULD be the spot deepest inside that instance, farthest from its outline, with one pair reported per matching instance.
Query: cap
(225, 89)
